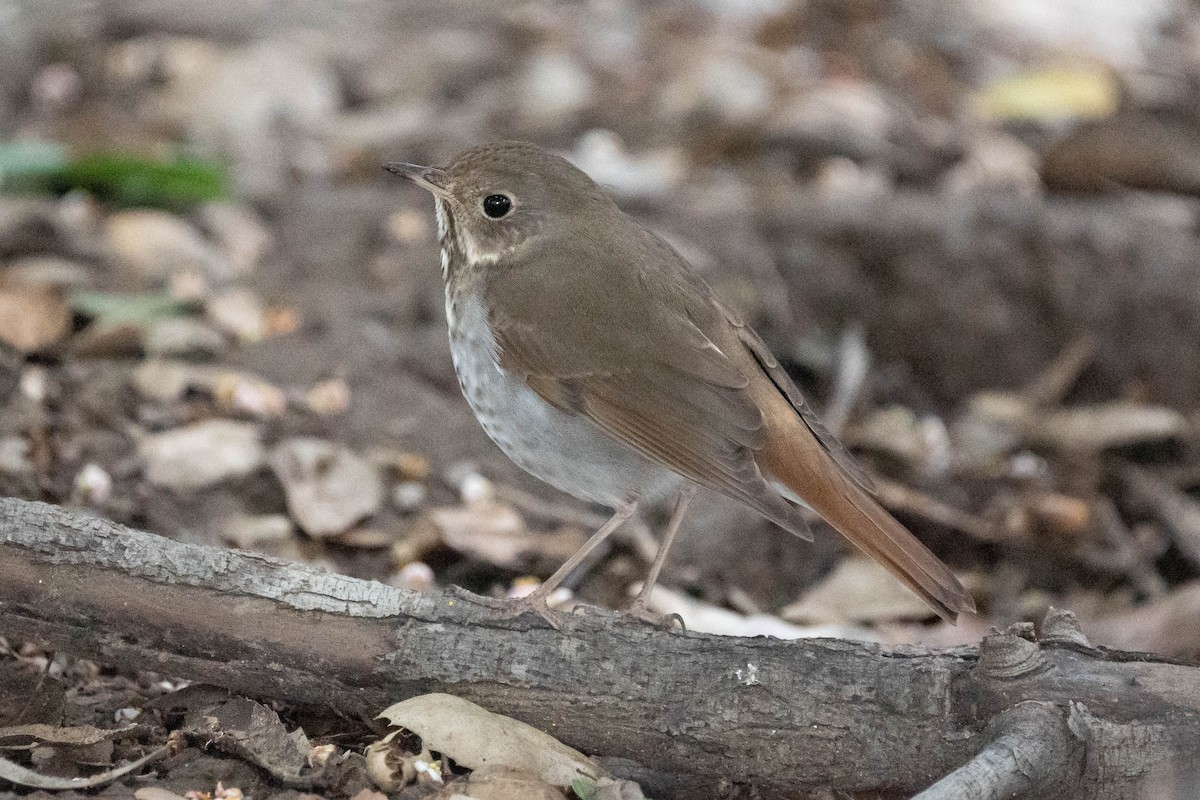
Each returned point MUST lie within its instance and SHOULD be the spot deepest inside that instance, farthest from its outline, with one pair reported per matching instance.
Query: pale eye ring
(497, 205)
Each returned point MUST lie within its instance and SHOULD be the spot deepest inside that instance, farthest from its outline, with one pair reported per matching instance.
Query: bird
(598, 360)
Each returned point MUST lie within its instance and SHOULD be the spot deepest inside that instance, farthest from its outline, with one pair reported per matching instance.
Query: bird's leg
(639, 607)
(536, 600)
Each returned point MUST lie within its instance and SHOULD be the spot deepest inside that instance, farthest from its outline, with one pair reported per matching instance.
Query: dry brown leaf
(496, 533)
(76, 736)
(33, 317)
(501, 783)
(1091, 429)
(1167, 625)
(859, 590)
(701, 617)
(201, 454)
(329, 488)
(476, 738)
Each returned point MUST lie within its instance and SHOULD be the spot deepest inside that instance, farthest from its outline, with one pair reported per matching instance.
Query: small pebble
(476, 489)
(93, 486)
(409, 495)
(328, 397)
(416, 576)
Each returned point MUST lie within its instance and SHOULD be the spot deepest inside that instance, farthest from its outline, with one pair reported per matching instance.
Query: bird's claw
(641, 613)
(508, 608)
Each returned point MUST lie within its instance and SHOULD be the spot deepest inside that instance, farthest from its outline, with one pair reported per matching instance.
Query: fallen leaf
(1090, 429)
(328, 487)
(152, 245)
(155, 793)
(475, 738)
(502, 783)
(858, 590)
(494, 532)
(702, 617)
(33, 317)
(240, 726)
(76, 736)
(201, 454)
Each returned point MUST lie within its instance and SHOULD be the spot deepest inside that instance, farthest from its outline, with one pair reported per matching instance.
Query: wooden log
(688, 715)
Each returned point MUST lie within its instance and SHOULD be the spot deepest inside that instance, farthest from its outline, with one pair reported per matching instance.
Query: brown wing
(787, 387)
(627, 344)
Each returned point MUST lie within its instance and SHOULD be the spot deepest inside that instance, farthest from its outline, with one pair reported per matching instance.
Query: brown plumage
(566, 301)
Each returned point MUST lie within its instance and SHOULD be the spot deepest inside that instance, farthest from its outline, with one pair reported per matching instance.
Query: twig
(1031, 752)
(854, 362)
(898, 497)
(1055, 381)
(1179, 513)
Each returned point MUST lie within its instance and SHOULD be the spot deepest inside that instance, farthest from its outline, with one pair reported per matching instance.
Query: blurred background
(968, 228)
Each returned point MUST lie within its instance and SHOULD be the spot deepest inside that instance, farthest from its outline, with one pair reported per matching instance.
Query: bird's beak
(431, 179)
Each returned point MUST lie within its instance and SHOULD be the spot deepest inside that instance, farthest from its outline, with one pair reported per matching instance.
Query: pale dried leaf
(501, 783)
(202, 454)
(328, 487)
(859, 590)
(475, 738)
(703, 617)
(155, 793)
(1100, 427)
(33, 317)
(1054, 94)
(76, 736)
(496, 533)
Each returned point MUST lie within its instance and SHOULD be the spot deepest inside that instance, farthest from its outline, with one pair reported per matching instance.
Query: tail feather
(796, 459)
(873, 530)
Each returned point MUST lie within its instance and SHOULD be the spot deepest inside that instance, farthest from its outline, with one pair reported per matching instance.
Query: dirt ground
(968, 230)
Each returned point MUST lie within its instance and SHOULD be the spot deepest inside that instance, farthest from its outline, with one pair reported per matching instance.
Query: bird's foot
(637, 610)
(511, 608)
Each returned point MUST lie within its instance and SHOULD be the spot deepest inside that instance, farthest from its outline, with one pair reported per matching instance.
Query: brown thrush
(600, 362)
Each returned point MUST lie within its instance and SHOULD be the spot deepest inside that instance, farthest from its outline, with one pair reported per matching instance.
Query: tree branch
(682, 713)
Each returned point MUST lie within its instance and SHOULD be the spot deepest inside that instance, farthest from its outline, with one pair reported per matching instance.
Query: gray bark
(689, 715)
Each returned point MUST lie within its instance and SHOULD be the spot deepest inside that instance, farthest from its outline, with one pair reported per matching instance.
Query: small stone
(202, 454)
(169, 381)
(239, 313)
(476, 489)
(93, 486)
(14, 456)
(241, 234)
(153, 245)
(33, 383)
(252, 531)
(33, 317)
(183, 337)
(554, 88)
(409, 495)
(647, 175)
(328, 487)
(249, 394)
(407, 226)
(48, 271)
(416, 576)
(328, 397)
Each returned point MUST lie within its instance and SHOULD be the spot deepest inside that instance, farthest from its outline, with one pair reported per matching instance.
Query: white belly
(564, 450)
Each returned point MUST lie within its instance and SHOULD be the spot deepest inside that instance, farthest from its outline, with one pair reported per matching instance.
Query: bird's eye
(496, 205)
